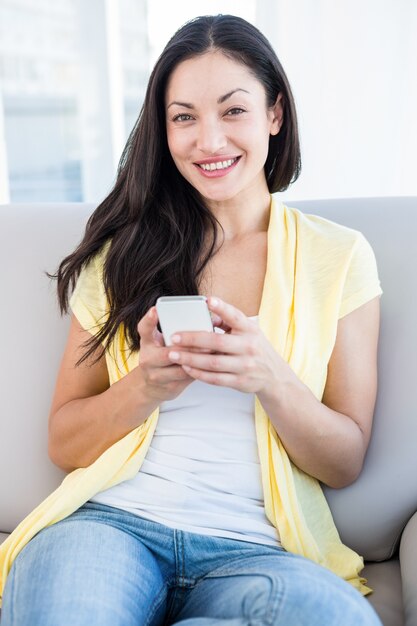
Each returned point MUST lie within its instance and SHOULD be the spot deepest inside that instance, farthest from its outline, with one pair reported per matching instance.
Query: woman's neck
(242, 216)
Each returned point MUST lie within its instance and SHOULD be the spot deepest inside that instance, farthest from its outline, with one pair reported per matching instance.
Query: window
(73, 76)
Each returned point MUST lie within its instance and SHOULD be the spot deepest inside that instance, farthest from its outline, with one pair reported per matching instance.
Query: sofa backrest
(33, 239)
(370, 514)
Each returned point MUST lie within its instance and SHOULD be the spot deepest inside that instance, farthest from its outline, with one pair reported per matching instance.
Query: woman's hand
(328, 439)
(241, 358)
(162, 379)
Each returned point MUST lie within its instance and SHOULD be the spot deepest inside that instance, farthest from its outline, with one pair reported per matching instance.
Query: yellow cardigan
(317, 272)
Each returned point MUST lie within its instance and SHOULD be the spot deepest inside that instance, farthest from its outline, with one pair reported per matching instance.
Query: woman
(193, 493)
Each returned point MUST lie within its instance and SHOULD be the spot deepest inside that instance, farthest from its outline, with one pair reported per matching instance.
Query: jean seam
(236, 560)
(172, 603)
(276, 601)
(274, 604)
(183, 559)
(180, 559)
(162, 595)
(175, 556)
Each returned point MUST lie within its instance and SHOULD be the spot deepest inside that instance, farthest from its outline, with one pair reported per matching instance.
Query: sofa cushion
(408, 560)
(385, 579)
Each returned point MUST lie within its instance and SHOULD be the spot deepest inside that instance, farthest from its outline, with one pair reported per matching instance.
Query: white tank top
(201, 473)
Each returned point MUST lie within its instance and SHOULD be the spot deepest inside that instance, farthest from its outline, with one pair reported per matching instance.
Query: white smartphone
(177, 313)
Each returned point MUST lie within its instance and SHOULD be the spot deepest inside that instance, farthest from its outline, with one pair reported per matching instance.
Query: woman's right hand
(162, 379)
(88, 414)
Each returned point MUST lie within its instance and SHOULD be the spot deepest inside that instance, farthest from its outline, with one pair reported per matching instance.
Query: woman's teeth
(220, 165)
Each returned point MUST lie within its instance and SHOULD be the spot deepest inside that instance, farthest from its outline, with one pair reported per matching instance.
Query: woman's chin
(219, 195)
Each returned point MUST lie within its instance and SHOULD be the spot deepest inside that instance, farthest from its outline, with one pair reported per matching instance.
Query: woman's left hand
(241, 358)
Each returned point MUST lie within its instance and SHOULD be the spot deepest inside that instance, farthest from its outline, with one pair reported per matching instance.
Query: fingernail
(214, 302)
(175, 339)
(174, 356)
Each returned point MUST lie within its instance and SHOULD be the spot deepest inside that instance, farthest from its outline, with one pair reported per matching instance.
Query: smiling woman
(220, 135)
(195, 495)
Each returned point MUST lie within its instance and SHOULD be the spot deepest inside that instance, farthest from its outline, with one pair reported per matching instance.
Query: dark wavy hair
(158, 225)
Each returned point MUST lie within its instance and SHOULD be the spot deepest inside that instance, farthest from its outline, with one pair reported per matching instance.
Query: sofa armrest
(408, 562)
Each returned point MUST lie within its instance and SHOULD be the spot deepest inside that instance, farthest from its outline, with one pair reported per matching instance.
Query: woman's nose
(211, 137)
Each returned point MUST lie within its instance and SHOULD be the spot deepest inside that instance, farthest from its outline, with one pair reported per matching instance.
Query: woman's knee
(79, 569)
(313, 595)
(288, 590)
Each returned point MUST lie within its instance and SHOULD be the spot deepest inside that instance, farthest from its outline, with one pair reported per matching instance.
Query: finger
(202, 341)
(173, 373)
(213, 378)
(153, 358)
(219, 323)
(165, 374)
(231, 316)
(208, 362)
(148, 330)
(216, 319)
(223, 327)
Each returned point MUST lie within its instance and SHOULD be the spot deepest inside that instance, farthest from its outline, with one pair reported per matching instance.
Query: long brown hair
(157, 223)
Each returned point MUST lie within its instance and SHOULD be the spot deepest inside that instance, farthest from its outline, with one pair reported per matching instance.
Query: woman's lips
(215, 168)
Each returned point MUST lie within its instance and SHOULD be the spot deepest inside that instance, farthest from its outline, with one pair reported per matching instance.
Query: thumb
(148, 330)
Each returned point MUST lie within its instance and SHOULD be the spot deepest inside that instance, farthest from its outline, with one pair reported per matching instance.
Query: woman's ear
(278, 115)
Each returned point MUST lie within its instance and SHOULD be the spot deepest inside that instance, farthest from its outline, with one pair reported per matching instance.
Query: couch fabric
(371, 514)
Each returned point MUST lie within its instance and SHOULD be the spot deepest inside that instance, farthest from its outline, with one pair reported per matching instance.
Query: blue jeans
(106, 567)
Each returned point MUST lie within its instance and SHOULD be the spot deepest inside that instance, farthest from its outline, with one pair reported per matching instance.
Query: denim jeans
(106, 567)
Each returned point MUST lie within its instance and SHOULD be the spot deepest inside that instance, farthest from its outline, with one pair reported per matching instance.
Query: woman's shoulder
(330, 254)
(321, 229)
(319, 235)
(94, 266)
(324, 241)
(101, 254)
(90, 283)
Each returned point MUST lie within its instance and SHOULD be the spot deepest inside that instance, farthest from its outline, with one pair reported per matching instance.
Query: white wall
(353, 68)
(165, 18)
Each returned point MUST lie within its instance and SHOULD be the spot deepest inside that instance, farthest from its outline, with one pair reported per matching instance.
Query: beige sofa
(376, 515)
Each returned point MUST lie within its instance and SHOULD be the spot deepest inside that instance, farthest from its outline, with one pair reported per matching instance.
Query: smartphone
(177, 313)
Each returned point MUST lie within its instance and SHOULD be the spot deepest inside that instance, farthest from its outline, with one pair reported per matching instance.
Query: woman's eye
(235, 111)
(182, 117)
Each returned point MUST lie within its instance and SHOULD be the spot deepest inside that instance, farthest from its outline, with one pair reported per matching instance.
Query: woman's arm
(88, 415)
(329, 439)
(326, 439)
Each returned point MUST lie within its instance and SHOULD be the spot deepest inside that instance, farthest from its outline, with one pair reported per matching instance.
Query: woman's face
(218, 126)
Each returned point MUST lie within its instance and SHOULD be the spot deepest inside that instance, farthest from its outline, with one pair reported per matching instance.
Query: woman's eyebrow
(220, 100)
(230, 93)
